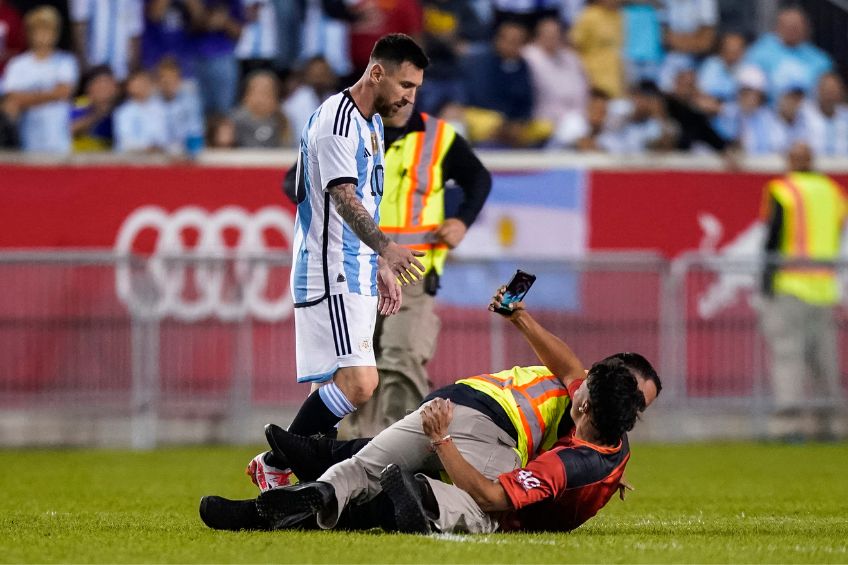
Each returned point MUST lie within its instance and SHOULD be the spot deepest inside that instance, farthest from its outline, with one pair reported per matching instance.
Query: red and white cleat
(266, 476)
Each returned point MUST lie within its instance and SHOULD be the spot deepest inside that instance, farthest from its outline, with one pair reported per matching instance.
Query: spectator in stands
(643, 51)
(451, 29)
(12, 37)
(749, 121)
(690, 31)
(787, 57)
(289, 16)
(584, 131)
(559, 82)
(257, 46)
(217, 67)
(717, 74)
(791, 122)
(168, 27)
(140, 122)
(826, 118)
(598, 36)
(499, 88)
(737, 17)
(108, 32)
(683, 105)
(317, 83)
(183, 109)
(647, 126)
(526, 13)
(91, 119)
(499, 78)
(259, 122)
(373, 19)
(38, 85)
(327, 35)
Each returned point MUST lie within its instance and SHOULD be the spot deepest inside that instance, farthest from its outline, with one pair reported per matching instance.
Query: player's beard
(384, 107)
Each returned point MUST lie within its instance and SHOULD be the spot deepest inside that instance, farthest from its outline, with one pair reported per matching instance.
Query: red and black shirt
(563, 487)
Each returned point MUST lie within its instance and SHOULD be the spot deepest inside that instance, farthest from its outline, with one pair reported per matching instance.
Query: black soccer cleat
(223, 514)
(308, 457)
(404, 492)
(287, 507)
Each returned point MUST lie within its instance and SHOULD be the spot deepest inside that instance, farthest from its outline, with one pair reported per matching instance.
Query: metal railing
(137, 347)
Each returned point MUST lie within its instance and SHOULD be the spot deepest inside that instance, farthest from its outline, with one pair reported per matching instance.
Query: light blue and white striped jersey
(141, 126)
(827, 135)
(44, 128)
(338, 145)
(111, 26)
(259, 38)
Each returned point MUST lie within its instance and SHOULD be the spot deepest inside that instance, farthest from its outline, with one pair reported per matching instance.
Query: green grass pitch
(713, 503)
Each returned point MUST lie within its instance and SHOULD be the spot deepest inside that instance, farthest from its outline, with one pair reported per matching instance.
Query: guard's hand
(390, 297)
(436, 417)
(624, 486)
(451, 232)
(403, 263)
(497, 302)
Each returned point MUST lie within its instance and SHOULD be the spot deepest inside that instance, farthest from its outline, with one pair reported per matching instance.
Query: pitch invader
(345, 268)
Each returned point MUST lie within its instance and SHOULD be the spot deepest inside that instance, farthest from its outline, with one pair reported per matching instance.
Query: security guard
(805, 212)
(423, 155)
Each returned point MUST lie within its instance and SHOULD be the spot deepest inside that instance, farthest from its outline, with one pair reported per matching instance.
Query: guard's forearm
(357, 217)
(490, 496)
(553, 352)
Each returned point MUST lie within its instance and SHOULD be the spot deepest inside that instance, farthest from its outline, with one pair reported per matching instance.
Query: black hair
(95, 72)
(640, 366)
(595, 92)
(615, 399)
(399, 48)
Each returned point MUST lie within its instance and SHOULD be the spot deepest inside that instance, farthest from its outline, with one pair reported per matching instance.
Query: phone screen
(516, 290)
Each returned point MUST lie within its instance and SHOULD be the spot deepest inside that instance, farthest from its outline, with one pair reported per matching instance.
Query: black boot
(286, 507)
(407, 498)
(223, 514)
(308, 457)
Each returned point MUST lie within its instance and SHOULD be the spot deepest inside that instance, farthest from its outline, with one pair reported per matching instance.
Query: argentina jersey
(338, 145)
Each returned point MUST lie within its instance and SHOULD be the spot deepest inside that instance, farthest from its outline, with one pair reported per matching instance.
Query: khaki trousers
(802, 339)
(458, 513)
(487, 447)
(404, 343)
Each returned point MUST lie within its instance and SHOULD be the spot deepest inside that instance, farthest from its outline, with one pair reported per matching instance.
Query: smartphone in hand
(516, 290)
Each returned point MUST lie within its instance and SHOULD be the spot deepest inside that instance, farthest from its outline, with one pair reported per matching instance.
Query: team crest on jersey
(527, 480)
(365, 345)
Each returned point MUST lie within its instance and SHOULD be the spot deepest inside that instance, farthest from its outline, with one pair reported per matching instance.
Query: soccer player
(342, 261)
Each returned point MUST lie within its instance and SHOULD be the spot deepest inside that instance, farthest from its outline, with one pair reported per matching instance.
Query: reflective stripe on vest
(534, 400)
(413, 206)
(814, 210)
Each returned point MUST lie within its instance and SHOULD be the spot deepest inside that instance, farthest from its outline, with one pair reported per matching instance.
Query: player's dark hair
(398, 48)
(640, 366)
(615, 399)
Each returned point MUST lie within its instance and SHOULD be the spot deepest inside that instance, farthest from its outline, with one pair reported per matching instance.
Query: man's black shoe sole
(284, 506)
(409, 512)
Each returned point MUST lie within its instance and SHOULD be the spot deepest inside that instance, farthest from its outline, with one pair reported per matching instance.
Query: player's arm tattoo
(357, 217)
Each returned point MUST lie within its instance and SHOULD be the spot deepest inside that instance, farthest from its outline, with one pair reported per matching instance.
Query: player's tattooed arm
(357, 217)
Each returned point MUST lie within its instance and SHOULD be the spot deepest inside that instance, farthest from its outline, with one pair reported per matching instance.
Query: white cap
(752, 77)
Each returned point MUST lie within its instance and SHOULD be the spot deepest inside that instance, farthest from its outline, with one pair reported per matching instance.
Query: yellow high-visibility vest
(814, 211)
(413, 203)
(534, 401)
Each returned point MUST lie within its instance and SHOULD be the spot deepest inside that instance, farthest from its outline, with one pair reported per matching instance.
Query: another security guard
(806, 212)
(423, 155)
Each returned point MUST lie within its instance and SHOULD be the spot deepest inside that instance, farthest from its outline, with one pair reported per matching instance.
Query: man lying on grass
(591, 419)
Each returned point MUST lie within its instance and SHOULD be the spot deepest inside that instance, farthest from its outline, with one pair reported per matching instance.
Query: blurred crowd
(622, 77)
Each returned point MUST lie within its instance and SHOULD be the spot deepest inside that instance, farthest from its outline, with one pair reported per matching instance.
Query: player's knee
(358, 386)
